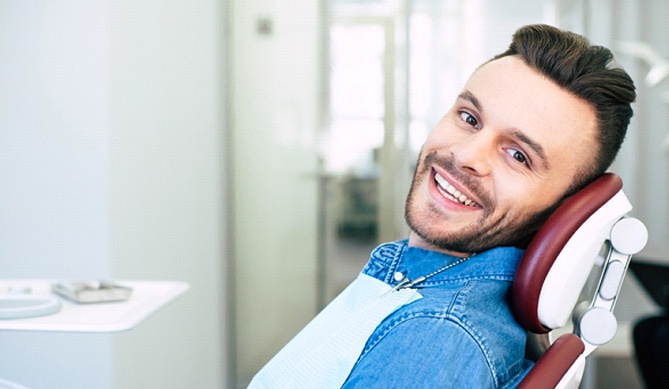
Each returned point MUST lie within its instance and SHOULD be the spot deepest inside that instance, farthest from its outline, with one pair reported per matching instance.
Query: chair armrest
(554, 364)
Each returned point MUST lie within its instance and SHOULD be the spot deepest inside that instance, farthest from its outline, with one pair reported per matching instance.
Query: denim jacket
(461, 334)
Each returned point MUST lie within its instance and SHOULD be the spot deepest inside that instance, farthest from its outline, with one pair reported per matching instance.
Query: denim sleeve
(422, 352)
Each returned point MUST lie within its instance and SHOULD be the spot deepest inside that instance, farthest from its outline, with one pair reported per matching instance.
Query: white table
(147, 297)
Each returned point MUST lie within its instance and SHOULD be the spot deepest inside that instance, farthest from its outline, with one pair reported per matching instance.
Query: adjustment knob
(629, 236)
(597, 326)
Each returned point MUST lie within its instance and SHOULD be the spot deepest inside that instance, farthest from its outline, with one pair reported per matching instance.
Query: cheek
(517, 196)
(442, 134)
(518, 201)
(434, 141)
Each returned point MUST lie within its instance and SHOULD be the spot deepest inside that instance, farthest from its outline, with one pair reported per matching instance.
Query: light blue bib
(324, 352)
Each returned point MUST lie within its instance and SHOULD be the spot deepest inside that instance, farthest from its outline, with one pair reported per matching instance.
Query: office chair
(589, 228)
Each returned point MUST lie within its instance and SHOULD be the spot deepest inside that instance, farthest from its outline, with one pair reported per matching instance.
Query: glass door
(361, 154)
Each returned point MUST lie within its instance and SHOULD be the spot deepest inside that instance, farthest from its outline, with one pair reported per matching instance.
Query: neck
(417, 241)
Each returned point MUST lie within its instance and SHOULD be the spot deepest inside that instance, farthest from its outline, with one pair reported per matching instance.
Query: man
(529, 128)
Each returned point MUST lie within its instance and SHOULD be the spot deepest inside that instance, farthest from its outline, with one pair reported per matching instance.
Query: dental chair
(588, 231)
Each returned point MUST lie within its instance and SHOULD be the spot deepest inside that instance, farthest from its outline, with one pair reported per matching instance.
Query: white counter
(147, 297)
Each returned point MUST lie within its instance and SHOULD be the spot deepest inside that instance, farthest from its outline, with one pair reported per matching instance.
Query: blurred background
(259, 150)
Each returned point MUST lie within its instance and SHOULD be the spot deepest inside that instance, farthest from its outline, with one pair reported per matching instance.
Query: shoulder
(467, 326)
(425, 349)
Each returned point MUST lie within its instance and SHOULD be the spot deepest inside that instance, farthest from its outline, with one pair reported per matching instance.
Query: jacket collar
(498, 263)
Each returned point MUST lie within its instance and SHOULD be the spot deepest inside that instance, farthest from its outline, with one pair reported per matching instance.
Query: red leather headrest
(548, 243)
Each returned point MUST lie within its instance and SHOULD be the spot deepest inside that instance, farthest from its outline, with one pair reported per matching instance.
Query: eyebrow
(469, 96)
(516, 133)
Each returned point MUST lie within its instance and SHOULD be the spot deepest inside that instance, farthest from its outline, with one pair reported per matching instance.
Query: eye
(469, 119)
(518, 156)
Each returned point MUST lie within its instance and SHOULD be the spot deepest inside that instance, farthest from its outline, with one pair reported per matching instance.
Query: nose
(474, 153)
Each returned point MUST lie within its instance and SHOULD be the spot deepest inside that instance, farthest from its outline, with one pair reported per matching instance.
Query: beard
(482, 234)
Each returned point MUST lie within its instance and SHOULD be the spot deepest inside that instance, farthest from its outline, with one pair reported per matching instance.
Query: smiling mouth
(449, 192)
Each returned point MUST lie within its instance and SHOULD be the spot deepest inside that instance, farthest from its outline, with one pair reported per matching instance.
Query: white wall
(274, 96)
(111, 165)
(166, 202)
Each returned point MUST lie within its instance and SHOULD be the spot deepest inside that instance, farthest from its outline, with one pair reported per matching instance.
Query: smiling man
(509, 149)
(530, 127)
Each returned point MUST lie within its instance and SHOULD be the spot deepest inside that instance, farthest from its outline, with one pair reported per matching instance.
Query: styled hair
(589, 73)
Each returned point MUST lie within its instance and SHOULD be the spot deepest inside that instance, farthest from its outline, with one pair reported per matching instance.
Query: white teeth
(450, 192)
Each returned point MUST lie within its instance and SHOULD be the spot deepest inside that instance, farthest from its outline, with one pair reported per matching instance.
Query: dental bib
(324, 352)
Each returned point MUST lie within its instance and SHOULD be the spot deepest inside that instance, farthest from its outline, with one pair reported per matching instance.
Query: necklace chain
(407, 283)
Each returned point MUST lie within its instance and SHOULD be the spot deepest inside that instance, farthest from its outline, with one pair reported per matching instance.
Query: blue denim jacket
(461, 334)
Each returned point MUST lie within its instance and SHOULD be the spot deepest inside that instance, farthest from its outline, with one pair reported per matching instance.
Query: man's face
(507, 151)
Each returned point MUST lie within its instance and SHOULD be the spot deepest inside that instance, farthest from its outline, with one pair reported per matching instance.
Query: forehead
(514, 97)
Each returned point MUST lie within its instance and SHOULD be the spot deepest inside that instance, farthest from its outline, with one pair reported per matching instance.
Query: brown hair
(588, 72)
